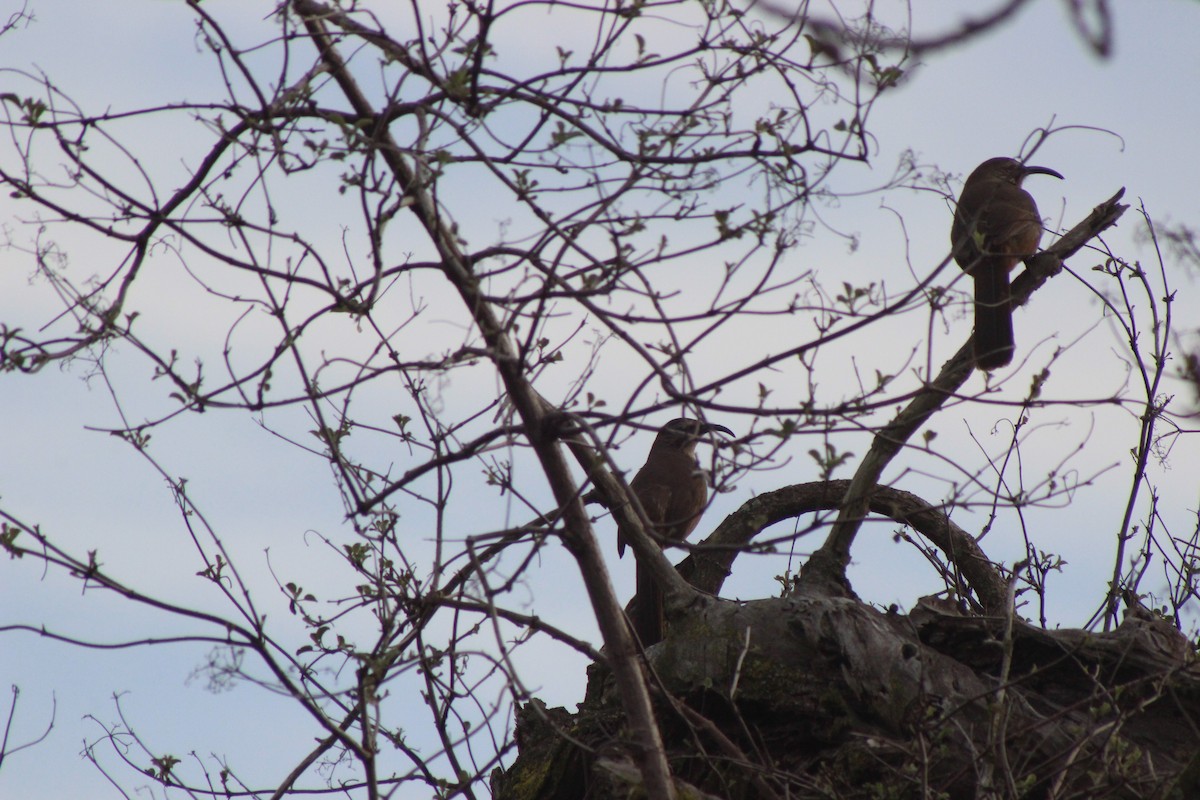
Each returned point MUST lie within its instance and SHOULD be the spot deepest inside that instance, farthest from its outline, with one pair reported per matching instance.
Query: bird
(672, 490)
(996, 226)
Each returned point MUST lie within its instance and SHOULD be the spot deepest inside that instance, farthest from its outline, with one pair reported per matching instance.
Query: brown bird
(672, 490)
(996, 226)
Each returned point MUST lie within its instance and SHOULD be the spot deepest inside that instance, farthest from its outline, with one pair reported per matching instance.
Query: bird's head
(684, 433)
(1008, 170)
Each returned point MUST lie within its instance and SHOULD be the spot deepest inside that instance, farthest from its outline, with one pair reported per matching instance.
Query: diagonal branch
(826, 570)
(540, 427)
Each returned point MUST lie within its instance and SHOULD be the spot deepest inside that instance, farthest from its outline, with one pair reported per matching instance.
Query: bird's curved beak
(1041, 171)
(710, 427)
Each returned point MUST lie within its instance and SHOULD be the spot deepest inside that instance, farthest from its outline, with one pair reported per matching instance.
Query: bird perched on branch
(673, 491)
(996, 226)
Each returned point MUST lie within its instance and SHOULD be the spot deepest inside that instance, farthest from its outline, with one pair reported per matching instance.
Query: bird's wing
(655, 499)
(1018, 228)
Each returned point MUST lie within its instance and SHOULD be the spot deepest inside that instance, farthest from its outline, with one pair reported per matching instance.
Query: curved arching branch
(707, 567)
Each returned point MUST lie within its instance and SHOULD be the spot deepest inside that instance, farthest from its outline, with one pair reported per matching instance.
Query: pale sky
(1134, 119)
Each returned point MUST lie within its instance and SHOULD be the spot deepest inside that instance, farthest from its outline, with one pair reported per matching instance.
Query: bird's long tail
(646, 613)
(993, 314)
